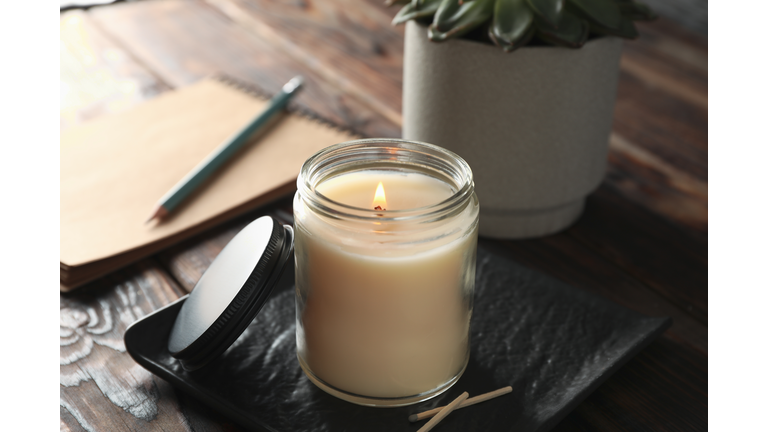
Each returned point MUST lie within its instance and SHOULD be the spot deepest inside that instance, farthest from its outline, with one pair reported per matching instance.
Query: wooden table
(642, 241)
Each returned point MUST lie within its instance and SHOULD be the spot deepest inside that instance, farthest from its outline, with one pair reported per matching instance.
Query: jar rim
(334, 158)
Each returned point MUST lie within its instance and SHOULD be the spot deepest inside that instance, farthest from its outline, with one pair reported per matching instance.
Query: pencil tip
(159, 213)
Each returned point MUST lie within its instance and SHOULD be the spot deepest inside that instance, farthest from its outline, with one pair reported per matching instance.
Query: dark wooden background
(642, 241)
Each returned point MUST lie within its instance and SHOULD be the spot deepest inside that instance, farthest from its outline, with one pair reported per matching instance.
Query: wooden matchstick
(444, 412)
(466, 403)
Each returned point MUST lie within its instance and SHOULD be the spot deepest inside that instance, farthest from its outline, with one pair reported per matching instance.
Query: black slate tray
(553, 343)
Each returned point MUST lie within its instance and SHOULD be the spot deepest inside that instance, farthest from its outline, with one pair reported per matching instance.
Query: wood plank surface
(350, 43)
(642, 241)
(97, 76)
(629, 236)
(186, 40)
(663, 123)
(657, 185)
(101, 387)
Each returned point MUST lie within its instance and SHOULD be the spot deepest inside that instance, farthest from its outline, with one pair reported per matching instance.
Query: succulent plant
(511, 24)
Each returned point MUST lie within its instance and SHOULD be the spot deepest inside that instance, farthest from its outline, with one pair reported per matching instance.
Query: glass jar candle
(386, 239)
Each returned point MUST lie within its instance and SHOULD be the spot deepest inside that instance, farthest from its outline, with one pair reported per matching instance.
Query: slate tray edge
(663, 323)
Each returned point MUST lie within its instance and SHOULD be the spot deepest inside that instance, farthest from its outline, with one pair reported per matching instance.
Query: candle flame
(379, 200)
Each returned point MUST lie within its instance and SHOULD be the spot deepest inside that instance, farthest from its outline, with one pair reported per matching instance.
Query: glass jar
(384, 280)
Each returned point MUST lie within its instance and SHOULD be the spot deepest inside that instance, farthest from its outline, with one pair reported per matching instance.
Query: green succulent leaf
(637, 11)
(549, 10)
(413, 11)
(520, 42)
(448, 14)
(456, 17)
(512, 22)
(626, 30)
(605, 13)
(572, 31)
(404, 14)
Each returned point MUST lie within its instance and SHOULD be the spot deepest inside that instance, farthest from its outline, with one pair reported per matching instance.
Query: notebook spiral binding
(255, 90)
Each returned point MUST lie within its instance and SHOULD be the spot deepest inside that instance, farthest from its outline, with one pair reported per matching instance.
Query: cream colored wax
(382, 317)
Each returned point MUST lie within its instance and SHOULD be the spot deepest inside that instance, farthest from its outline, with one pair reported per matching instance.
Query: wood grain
(350, 43)
(670, 128)
(98, 76)
(186, 40)
(101, 387)
(631, 237)
(657, 185)
(662, 96)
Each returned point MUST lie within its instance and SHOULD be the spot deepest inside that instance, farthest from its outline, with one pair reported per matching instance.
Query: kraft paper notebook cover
(115, 168)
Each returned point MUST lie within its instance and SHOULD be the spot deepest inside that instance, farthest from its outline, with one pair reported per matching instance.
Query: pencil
(213, 161)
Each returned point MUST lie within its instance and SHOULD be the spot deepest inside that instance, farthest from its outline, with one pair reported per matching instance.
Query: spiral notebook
(115, 168)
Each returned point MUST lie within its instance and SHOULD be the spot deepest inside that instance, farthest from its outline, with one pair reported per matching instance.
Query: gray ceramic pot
(533, 124)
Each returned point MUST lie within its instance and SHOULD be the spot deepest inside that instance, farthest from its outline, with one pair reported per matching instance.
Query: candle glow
(379, 199)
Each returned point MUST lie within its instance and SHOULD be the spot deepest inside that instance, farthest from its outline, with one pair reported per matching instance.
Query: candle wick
(379, 208)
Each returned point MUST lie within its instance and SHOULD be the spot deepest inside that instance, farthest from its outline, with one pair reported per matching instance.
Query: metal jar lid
(230, 293)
